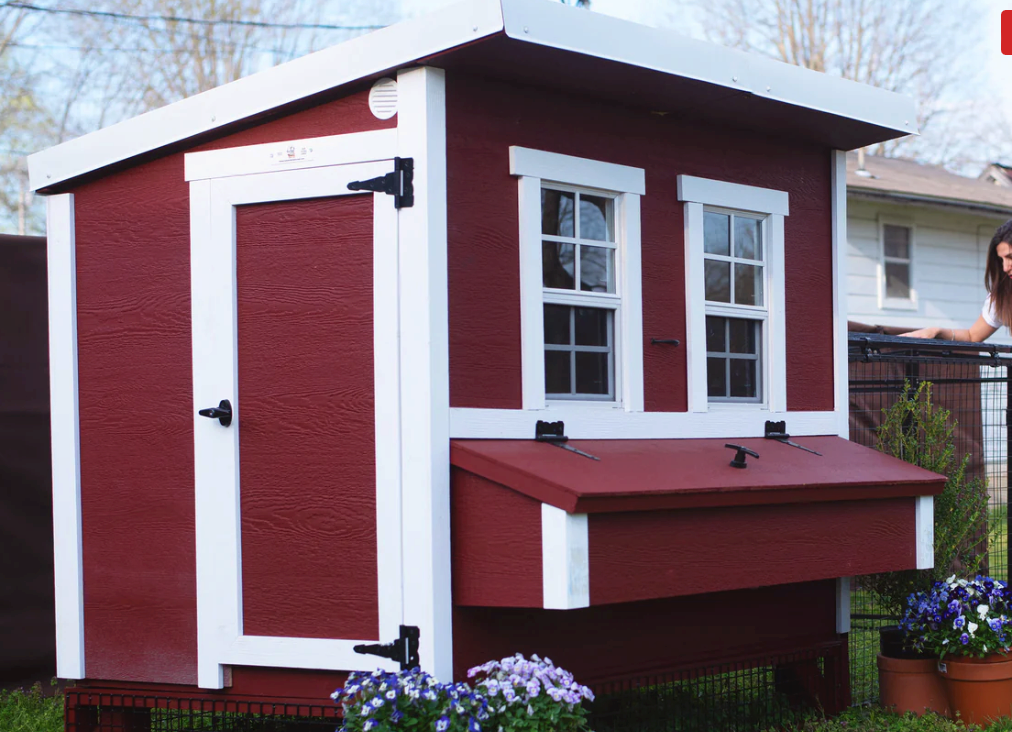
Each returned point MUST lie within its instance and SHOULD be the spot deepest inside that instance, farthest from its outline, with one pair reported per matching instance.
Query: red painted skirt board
(485, 117)
(639, 556)
(496, 544)
(307, 445)
(617, 641)
(134, 348)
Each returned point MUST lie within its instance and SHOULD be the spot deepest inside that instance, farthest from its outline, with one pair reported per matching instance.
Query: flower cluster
(532, 694)
(384, 701)
(960, 617)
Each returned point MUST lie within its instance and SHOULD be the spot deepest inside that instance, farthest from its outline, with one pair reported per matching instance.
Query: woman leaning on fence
(997, 310)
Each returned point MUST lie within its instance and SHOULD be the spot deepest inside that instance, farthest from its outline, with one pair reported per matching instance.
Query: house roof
(905, 180)
(589, 53)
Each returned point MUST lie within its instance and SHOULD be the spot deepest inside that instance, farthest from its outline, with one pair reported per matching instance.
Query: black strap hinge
(554, 433)
(404, 650)
(399, 184)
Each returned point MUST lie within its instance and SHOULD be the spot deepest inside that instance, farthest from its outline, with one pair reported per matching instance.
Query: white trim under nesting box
(220, 639)
(565, 559)
(65, 436)
(626, 184)
(843, 605)
(425, 369)
(924, 530)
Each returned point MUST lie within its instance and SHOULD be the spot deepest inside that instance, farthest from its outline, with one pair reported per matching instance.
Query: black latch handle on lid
(739, 457)
(222, 413)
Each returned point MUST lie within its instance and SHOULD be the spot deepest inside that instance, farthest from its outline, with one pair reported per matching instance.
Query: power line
(180, 19)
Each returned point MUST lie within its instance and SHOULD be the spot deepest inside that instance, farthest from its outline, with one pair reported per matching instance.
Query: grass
(876, 719)
(30, 711)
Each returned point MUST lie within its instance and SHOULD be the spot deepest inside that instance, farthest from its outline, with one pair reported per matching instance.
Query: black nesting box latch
(554, 433)
(738, 461)
(399, 184)
(778, 431)
(404, 650)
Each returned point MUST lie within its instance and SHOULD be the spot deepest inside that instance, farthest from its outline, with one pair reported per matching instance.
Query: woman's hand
(923, 333)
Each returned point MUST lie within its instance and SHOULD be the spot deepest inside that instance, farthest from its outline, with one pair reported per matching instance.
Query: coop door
(298, 488)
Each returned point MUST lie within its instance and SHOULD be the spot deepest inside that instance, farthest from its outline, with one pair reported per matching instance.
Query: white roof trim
(533, 21)
(388, 48)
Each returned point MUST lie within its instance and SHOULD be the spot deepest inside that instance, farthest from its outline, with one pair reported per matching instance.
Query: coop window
(897, 264)
(735, 294)
(580, 281)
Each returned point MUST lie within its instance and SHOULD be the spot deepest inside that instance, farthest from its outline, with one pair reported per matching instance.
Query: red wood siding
(496, 544)
(639, 556)
(307, 444)
(134, 360)
(485, 117)
(613, 641)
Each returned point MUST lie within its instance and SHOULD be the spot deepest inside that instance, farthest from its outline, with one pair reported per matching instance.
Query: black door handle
(222, 413)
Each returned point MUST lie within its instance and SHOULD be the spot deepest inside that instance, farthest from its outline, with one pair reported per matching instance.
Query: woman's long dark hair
(999, 284)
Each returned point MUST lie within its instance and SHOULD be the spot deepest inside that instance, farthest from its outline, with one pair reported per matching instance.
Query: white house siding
(947, 273)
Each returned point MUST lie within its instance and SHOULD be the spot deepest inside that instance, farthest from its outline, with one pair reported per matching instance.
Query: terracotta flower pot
(979, 689)
(911, 685)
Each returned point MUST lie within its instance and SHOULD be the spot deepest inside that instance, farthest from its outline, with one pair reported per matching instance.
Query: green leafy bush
(917, 431)
(30, 711)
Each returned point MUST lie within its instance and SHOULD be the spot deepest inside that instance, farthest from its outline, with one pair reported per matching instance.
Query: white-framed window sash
(771, 206)
(888, 260)
(624, 185)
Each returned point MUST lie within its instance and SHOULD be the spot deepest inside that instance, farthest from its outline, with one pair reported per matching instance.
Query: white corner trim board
(65, 436)
(565, 559)
(841, 392)
(924, 530)
(843, 605)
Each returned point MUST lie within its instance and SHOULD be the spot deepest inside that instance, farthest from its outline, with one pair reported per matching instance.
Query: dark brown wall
(485, 117)
(134, 360)
(27, 620)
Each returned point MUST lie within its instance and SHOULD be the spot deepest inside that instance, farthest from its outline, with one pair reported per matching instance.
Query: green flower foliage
(917, 431)
(30, 711)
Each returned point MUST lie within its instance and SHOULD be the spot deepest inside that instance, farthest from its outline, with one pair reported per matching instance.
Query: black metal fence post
(1008, 472)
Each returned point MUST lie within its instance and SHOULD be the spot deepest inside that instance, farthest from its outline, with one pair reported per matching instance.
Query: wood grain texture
(135, 361)
(496, 544)
(306, 417)
(485, 117)
(614, 641)
(639, 556)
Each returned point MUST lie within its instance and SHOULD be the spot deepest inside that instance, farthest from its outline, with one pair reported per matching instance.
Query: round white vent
(383, 98)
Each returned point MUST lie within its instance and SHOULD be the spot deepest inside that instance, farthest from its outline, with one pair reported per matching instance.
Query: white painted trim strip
(291, 155)
(732, 195)
(777, 304)
(425, 370)
(592, 422)
(65, 436)
(575, 171)
(695, 310)
(843, 605)
(841, 375)
(323, 654)
(367, 56)
(532, 312)
(924, 528)
(565, 559)
(631, 331)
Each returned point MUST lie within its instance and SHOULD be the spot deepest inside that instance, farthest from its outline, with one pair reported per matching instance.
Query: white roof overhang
(634, 64)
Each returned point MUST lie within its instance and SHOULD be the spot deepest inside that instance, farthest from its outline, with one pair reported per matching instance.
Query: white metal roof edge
(535, 21)
(388, 48)
(565, 27)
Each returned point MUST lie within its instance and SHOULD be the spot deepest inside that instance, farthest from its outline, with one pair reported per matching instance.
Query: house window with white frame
(896, 263)
(580, 282)
(735, 274)
(735, 328)
(580, 300)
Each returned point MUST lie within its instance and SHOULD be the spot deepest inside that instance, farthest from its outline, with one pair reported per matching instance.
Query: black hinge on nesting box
(404, 650)
(399, 184)
(778, 431)
(554, 433)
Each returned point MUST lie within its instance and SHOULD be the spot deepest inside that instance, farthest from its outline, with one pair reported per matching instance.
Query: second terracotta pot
(912, 685)
(979, 689)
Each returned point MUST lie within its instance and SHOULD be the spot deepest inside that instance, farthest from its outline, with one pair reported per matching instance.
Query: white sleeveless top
(989, 314)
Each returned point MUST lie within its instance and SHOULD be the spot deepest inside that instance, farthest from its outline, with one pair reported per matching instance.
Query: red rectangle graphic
(1006, 32)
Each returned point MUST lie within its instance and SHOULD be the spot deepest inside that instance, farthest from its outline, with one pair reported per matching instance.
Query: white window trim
(698, 193)
(65, 436)
(841, 376)
(626, 184)
(896, 303)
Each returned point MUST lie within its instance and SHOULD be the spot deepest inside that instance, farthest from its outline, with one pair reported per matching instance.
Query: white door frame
(220, 180)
